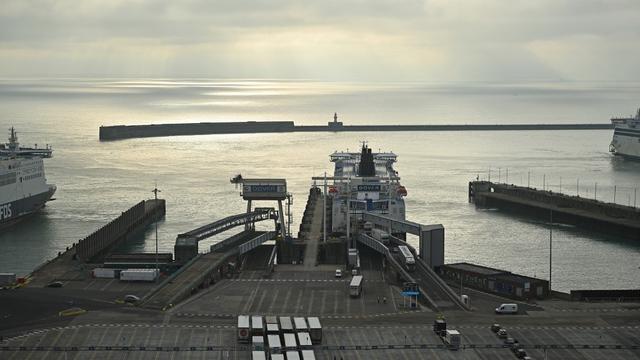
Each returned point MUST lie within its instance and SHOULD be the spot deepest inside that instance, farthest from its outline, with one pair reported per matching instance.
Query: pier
(117, 132)
(590, 214)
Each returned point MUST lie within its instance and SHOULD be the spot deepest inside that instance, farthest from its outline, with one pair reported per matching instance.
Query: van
(507, 309)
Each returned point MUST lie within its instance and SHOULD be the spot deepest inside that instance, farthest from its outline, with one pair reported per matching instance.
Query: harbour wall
(608, 218)
(119, 229)
(117, 132)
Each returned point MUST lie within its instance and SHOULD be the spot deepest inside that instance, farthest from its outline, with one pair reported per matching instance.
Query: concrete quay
(591, 214)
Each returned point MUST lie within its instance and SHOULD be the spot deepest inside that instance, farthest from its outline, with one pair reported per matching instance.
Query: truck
(244, 328)
(353, 257)
(408, 259)
(315, 330)
(452, 338)
(355, 287)
(257, 343)
(139, 275)
(380, 235)
(7, 279)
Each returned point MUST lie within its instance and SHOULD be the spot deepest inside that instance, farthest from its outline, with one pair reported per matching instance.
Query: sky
(372, 40)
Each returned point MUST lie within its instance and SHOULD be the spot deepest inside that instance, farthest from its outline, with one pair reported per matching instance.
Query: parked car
(55, 284)
(131, 298)
(338, 273)
(520, 353)
(502, 334)
(495, 328)
(509, 341)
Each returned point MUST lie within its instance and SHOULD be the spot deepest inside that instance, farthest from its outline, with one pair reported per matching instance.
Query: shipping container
(315, 330)
(244, 328)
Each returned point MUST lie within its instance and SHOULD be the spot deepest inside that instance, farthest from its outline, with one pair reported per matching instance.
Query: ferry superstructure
(626, 136)
(23, 186)
(365, 181)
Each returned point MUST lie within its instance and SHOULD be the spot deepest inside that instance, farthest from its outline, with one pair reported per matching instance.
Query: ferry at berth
(23, 186)
(365, 181)
(626, 137)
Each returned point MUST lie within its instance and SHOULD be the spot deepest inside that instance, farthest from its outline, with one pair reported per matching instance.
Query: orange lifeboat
(402, 191)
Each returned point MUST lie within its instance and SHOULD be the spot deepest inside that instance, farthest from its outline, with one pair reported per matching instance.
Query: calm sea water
(96, 181)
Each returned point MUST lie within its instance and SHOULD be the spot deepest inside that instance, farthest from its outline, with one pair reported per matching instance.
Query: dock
(118, 132)
(586, 213)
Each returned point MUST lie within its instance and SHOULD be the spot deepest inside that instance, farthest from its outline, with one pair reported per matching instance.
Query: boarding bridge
(186, 246)
(431, 236)
(433, 289)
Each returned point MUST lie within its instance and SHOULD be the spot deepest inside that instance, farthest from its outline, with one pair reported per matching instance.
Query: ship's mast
(13, 140)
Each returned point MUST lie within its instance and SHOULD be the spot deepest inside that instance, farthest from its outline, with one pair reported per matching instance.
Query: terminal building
(496, 281)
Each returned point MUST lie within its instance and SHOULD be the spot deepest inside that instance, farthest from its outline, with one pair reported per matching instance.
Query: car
(55, 284)
(509, 341)
(520, 353)
(527, 358)
(495, 328)
(131, 298)
(502, 333)
(354, 272)
(338, 273)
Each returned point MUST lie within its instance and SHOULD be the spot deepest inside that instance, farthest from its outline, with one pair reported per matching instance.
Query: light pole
(324, 210)
(550, 245)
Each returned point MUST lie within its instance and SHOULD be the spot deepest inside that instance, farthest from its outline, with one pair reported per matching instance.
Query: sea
(96, 180)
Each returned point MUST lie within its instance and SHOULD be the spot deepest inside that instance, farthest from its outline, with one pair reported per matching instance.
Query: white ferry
(23, 187)
(626, 137)
(365, 181)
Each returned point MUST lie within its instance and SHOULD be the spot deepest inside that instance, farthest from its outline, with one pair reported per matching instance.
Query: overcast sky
(403, 40)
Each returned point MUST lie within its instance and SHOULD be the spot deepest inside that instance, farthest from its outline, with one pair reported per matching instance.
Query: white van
(507, 309)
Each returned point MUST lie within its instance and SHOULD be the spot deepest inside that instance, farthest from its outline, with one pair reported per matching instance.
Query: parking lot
(217, 341)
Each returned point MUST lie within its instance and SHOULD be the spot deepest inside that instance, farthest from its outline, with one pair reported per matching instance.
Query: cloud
(343, 40)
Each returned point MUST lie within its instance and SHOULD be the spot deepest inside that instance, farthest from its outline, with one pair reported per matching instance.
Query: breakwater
(117, 132)
(607, 218)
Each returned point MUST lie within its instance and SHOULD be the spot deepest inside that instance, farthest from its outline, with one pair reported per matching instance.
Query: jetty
(586, 213)
(117, 132)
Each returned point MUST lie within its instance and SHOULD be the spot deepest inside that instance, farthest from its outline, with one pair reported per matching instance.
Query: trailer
(139, 275)
(355, 287)
(244, 328)
(301, 324)
(452, 338)
(407, 255)
(381, 236)
(275, 346)
(304, 340)
(257, 326)
(315, 330)
(257, 343)
(290, 342)
(286, 326)
(273, 329)
(103, 273)
(293, 355)
(258, 355)
(308, 355)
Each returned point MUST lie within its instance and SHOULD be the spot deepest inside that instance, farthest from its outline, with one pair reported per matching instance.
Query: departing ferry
(626, 136)
(366, 181)
(23, 187)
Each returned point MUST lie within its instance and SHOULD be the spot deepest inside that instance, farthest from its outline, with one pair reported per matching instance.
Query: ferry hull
(13, 212)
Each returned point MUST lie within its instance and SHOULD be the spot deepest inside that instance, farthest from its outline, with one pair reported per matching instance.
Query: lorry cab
(507, 309)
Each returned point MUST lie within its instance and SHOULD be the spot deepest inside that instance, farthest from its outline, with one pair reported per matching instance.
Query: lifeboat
(402, 191)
